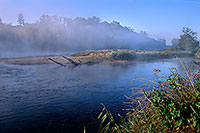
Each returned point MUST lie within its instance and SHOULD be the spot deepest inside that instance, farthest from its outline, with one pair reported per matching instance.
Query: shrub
(120, 54)
(173, 105)
(177, 101)
(123, 56)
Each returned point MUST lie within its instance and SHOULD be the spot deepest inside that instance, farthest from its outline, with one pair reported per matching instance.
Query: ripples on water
(48, 98)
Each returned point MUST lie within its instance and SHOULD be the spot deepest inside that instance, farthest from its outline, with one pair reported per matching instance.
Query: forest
(62, 34)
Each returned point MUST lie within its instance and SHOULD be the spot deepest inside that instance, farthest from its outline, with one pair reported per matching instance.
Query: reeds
(172, 105)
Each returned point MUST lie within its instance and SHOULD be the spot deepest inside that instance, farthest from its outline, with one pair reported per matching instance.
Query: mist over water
(48, 84)
(53, 35)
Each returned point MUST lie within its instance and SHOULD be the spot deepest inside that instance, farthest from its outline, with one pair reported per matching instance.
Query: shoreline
(39, 60)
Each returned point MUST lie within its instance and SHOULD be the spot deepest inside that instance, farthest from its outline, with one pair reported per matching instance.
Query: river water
(50, 98)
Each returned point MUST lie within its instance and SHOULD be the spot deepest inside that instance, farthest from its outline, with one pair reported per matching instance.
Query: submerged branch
(57, 62)
(70, 60)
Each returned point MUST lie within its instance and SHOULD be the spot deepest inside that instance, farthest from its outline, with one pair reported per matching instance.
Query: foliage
(188, 41)
(104, 115)
(172, 52)
(20, 19)
(175, 42)
(173, 105)
(147, 52)
(127, 54)
(119, 54)
(177, 101)
(123, 55)
(61, 34)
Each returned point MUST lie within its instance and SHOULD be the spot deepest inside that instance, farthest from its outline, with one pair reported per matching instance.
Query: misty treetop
(20, 19)
(187, 41)
(57, 34)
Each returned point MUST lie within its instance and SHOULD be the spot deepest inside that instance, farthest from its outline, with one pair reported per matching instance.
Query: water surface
(49, 98)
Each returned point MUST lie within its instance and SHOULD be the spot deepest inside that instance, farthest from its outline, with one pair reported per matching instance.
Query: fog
(59, 35)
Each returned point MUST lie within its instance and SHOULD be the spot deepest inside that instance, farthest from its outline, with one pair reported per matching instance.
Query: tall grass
(172, 105)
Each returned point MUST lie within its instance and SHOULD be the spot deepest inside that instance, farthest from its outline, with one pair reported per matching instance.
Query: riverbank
(98, 56)
(49, 98)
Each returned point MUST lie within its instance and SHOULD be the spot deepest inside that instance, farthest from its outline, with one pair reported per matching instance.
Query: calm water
(49, 98)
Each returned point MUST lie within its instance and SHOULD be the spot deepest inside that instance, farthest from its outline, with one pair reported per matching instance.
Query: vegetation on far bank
(126, 55)
(187, 46)
(100, 55)
(172, 105)
(187, 43)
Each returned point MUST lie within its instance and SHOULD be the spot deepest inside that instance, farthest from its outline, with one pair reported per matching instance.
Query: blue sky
(159, 18)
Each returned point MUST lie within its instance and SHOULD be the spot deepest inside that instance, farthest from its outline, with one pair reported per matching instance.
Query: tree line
(187, 41)
(55, 34)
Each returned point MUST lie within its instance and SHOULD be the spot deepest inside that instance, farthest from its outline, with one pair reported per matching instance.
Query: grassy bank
(97, 56)
(173, 105)
(127, 55)
(105, 55)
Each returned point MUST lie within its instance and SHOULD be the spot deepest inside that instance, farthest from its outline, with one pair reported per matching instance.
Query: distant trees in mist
(20, 20)
(60, 34)
(175, 42)
(188, 40)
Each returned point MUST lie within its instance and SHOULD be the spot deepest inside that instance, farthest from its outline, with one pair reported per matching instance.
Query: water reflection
(42, 98)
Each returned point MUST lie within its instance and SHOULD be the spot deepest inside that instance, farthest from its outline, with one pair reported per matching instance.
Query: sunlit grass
(110, 54)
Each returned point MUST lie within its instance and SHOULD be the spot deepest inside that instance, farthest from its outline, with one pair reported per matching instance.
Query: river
(50, 98)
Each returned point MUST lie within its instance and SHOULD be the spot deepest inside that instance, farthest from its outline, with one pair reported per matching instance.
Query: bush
(173, 105)
(119, 54)
(123, 56)
(177, 101)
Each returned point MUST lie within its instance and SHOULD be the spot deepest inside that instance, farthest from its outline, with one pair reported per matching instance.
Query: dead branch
(70, 60)
(57, 62)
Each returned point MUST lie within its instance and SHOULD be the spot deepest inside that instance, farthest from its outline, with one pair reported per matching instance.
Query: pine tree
(20, 19)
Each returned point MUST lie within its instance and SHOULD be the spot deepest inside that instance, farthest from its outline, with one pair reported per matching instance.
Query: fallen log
(70, 60)
(80, 61)
(57, 62)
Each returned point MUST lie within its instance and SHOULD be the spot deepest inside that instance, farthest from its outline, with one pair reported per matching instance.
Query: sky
(159, 18)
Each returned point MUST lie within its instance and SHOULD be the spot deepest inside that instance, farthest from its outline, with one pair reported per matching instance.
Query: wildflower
(157, 70)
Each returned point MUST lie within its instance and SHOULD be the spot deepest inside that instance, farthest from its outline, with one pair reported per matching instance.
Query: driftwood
(73, 62)
(57, 62)
(79, 61)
